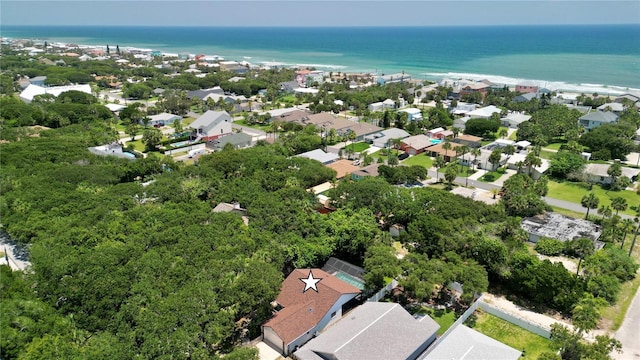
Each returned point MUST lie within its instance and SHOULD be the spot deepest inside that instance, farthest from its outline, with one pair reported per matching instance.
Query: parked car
(403, 156)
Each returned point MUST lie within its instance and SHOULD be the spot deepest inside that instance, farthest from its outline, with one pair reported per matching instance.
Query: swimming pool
(180, 144)
(125, 153)
(435, 141)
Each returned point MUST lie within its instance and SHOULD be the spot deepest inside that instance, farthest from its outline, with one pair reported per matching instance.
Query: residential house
(432, 133)
(115, 107)
(342, 167)
(389, 104)
(320, 156)
(447, 155)
(614, 107)
(413, 114)
(289, 86)
(374, 330)
(465, 343)
(345, 271)
(202, 93)
(596, 118)
(393, 78)
(526, 97)
(113, 149)
(237, 140)
(414, 145)
(341, 125)
(516, 162)
(597, 173)
(31, 91)
(371, 170)
(296, 116)
(461, 123)
(468, 140)
(303, 312)
(514, 119)
(162, 119)
(560, 227)
(476, 87)
(376, 106)
(383, 138)
(212, 125)
(445, 134)
(522, 145)
(482, 161)
(463, 108)
(234, 209)
(38, 80)
(484, 113)
(527, 88)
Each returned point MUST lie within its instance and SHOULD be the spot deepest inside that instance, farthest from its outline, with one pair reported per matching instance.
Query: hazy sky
(318, 13)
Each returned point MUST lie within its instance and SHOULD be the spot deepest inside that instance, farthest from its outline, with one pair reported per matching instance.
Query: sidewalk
(478, 174)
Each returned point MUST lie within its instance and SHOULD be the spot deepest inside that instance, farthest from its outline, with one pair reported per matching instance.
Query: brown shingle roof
(303, 310)
(342, 168)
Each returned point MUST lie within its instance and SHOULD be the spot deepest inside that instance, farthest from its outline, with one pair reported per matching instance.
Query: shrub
(549, 247)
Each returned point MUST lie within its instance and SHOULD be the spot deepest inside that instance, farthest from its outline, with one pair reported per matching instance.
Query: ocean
(594, 58)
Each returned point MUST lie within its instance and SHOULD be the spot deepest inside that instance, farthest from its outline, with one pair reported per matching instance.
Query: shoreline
(258, 61)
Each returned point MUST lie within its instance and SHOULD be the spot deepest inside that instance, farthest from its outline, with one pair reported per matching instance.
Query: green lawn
(512, 335)
(265, 127)
(445, 318)
(573, 214)
(137, 145)
(555, 146)
(357, 147)
(513, 136)
(491, 176)
(547, 154)
(573, 192)
(420, 159)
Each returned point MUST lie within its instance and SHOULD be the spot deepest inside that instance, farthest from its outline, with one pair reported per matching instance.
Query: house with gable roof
(303, 314)
(212, 125)
(596, 118)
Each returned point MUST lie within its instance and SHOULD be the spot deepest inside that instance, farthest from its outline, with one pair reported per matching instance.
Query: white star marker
(310, 282)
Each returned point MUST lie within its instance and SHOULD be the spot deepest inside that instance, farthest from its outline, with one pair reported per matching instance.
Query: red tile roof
(303, 311)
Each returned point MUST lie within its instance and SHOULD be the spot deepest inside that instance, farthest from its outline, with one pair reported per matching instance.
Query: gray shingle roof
(600, 116)
(469, 344)
(372, 331)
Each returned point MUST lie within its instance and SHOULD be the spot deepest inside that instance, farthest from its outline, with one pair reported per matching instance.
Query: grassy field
(573, 214)
(512, 335)
(544, 154)
(491, 176)
(357, 147)
(574, 192)
(137, 145)
(555, 146)
(255, 126)
(421, 159)
(444, 318)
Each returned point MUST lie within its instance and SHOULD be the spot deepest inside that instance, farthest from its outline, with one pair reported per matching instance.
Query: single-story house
(516, 162)
(202, 93)
(461, 123)
(432, 133)
(522, 145)
(415, 145)
(113, 149)
(465, 343)
(320, 156)
(327, 121)
(463, 108)
(514, 119)
(597, 173)
(393, 78)
(376, 106)
(482, 160)
(234, 209)
(371, 170)
(614, 107)
(438, 149)
(560, 227)
(382, 138)
(444, 134)
(237, 140)
(468, 140)
(484, 113)
(114, 107)
(162, 119)
(309, 301)
(38, 80)
(343, 167)
(413, 114)
(374, 330)
(31, 91)
(526, 97)
(212, 125)
(596, 118)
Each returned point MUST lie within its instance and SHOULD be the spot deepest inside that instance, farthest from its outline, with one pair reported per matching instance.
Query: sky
(318, 13)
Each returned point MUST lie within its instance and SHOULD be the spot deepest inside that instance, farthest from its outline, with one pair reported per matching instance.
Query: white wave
(327, 66)
(551, 85)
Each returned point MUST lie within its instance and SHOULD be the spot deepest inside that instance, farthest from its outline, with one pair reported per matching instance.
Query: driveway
(627, 334)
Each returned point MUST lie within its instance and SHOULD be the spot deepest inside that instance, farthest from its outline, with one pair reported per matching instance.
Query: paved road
(629, 333)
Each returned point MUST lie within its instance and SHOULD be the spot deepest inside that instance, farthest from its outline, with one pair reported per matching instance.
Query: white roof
(164, 117)
(411, 111)
(319, 155)
(34, 90)
(617, 107)
(523, 144)
(338, 102)
(389, 102)
(517, 117)
(115, 107)
(436, 130)
(484, 112)
(306, 90)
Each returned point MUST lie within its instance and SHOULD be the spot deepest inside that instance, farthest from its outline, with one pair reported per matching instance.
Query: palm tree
(605, 210)
(446, 147)
(532, 160)
(439, 163)
(626, 225)
(590, 202)
(494, 192)
(635, 236)
(619, 203)
(450, 174)
(509, 150)
(503, 133)
(475, 152)
(615, 170)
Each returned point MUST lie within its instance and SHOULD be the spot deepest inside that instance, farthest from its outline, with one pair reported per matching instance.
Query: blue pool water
(180, 144)
(133, 156)
(435, 141)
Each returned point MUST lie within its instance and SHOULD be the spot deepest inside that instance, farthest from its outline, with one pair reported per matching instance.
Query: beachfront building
(393, 78)
(526, 88)
(474, 88)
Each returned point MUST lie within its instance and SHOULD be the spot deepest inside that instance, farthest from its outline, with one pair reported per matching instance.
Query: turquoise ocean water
(581, 58)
